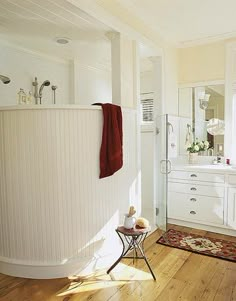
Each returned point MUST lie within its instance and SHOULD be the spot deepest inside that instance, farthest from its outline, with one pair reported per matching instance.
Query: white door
(161, 170)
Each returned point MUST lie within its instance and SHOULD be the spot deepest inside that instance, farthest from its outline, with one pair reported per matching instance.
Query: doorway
(154, 149)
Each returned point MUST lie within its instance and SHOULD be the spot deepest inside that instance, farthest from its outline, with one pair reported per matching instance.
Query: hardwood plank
(172, 290)
(226, 289)
(181, 275)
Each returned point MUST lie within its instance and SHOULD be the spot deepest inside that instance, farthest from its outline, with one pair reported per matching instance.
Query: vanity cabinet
(197, 176)
(203, 197)
(231, 220)
(196, 197)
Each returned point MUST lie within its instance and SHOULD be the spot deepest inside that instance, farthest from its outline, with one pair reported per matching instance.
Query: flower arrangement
(204, 145)
(193, 148)
(198, 146)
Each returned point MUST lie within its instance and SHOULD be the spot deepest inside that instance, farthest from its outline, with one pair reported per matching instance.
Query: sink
(211, 166)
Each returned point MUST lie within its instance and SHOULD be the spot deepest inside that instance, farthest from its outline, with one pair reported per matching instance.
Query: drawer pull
(193, 200)
(193, 212)
(193, 188)
(193, 175)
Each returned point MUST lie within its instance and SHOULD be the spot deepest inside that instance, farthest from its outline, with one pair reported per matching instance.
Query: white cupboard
(203, 199)
(231, 220)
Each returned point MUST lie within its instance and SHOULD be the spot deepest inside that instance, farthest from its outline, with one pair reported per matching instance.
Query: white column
(124, 73)
(74, 70)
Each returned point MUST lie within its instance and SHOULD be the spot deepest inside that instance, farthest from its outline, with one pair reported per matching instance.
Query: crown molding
(203, 83)
(33, 52)
(207, 40)
(97, 67)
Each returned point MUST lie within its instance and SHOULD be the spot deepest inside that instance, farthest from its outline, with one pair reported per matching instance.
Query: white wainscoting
(55, 213)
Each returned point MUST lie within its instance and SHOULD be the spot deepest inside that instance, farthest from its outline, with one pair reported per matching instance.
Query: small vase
(193, 158)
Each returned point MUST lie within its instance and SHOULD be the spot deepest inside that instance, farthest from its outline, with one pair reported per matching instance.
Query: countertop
(208, 168)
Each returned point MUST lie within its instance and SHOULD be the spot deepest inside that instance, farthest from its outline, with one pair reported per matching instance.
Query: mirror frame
(208, 83)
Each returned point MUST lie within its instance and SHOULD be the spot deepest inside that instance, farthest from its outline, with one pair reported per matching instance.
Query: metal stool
(135, 239)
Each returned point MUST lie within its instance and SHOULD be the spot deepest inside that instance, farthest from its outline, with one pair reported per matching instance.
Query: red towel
(111, 153)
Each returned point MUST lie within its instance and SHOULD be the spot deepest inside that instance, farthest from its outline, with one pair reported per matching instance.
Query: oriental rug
(219, 248)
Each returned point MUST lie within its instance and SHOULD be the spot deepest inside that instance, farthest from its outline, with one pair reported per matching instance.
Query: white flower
(206, 143)
(201, 144)
(196, 148)
(188, 145)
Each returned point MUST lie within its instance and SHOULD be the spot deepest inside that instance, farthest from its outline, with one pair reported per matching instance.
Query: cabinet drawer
(232, 179)
(231, 222)
(197, 176)
(195, 189)
(200, 209)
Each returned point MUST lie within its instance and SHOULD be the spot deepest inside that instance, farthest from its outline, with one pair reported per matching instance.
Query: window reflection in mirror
(204, 103)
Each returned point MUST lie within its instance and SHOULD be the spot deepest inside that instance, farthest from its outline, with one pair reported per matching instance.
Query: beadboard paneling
(53, 206)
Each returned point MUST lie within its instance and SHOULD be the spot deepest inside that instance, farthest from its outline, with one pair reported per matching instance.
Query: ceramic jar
(193, 158)
(129, 221)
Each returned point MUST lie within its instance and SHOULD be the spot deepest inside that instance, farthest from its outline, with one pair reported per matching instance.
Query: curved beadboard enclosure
(56, 215)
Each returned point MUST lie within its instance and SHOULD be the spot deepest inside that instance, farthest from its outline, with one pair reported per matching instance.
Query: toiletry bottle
(30, 98)
(21, 97)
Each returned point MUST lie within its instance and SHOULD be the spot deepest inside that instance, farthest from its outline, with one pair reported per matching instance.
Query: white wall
(93, 85)
(146, 81)
(22, 66)
(202, 63)
(170, 81)
(147, 148)
(147, 165)
(77, 83)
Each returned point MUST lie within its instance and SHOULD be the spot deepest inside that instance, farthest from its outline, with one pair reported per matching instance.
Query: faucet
(44, 84)
(38, 94)
(5, 79)
(219, 158)
(210, 152)
(54, 93)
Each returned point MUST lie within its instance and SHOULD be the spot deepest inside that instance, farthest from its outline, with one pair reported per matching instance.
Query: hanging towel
(172, 141)
(111, 152)
(189, 136)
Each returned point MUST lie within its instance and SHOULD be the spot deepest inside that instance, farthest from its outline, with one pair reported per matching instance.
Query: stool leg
(114, 264)
(144, 257)
(122, 254)
(134, 249)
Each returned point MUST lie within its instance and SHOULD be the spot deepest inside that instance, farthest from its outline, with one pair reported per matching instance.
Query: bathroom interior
(57, 59)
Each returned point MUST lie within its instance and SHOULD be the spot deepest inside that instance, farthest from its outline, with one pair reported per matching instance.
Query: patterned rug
(199, 244)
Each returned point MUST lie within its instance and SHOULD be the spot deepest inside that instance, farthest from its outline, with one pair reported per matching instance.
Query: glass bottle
(30, 98)
(22, 97)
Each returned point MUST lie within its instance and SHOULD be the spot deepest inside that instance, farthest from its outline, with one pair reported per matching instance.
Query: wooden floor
(181, 275)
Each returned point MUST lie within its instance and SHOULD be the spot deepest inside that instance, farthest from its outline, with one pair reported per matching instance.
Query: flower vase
(193, 158)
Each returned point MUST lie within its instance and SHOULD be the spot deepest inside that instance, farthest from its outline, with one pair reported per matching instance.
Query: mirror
(205, 107)
(216, 127)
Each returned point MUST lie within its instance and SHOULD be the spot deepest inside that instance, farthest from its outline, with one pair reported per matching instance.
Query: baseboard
(202, 227)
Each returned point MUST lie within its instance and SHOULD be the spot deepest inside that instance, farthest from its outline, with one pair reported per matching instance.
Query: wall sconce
(203, 100)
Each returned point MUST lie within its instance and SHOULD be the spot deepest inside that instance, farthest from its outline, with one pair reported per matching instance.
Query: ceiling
(186, 22)
(35, 25)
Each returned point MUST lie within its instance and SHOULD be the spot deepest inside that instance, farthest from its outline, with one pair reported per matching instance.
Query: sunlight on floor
(121, 275)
